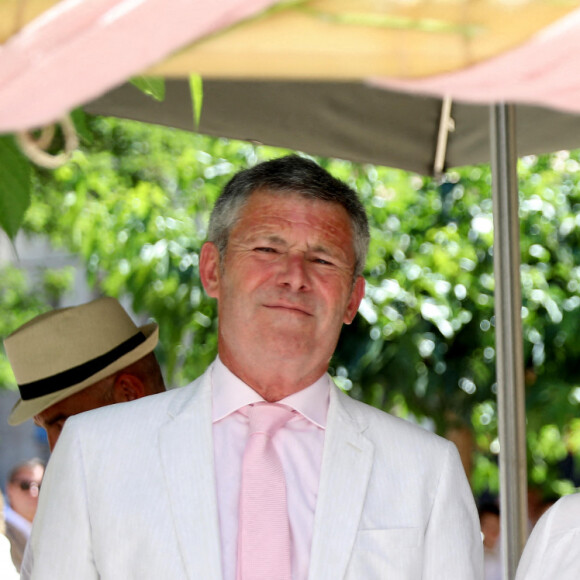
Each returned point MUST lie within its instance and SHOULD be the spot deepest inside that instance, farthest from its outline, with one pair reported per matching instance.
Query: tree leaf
(152, 86)
(79, 118)
(196, 88)
(15, 185)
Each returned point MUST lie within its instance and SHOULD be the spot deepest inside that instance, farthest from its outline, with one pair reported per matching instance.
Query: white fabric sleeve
(60, 543)
(453, 543)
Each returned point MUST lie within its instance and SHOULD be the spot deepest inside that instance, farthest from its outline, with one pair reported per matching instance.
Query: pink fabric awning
(77, 50)
(80, 49)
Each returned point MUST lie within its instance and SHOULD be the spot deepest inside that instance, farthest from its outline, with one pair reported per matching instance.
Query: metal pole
(509, 339)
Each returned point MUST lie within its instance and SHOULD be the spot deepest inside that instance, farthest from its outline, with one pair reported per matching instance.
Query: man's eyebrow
(327, 251)
(272, 238)
(319, 248)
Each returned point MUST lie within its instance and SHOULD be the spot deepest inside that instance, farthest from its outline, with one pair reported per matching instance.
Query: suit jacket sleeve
(60, 546)
(453, 546)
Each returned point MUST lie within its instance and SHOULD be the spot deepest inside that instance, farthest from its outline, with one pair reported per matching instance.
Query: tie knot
(267, 417)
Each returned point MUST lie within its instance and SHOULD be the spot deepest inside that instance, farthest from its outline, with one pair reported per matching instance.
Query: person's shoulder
(568, 502)
(553, 548)
(420, 457)
(145, 409)
(564, 515)
(380, 424)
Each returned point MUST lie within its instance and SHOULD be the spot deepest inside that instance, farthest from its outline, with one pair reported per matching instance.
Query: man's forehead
(28, 470)
(273, 206)
(281, 194)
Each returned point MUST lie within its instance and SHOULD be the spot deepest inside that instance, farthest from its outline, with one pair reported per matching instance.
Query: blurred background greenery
(133, 204)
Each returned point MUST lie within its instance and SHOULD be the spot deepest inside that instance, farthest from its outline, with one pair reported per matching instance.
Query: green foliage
(15, 186)
(426, 326)
(21, 300)
(135, 202)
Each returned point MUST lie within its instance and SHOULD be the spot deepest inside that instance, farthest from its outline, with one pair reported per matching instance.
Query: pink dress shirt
(299, 445)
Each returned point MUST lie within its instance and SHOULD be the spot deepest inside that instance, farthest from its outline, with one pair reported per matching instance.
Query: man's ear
(356, 296)
(127, 387)
(209, 269)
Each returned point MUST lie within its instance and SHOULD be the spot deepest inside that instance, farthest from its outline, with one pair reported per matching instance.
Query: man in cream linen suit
(151, 489)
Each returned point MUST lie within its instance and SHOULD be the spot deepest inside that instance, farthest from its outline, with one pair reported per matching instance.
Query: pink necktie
(264, 530)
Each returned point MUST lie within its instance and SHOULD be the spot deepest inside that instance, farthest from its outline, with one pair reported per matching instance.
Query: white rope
(35, 147)
(446, 126)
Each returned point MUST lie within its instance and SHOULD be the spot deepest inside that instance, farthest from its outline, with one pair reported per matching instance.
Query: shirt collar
(230, 394)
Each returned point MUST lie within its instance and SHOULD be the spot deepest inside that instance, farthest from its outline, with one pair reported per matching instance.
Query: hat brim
(24, 410)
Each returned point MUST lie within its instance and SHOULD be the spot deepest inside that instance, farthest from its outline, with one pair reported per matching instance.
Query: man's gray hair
(290, 174)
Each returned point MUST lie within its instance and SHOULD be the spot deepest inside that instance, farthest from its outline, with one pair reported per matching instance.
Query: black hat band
(79, 373)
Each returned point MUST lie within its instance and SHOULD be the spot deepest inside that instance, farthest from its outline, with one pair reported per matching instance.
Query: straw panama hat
(59, 353)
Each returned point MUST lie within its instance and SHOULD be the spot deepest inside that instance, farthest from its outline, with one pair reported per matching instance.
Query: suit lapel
(186, 449)
(346, 467)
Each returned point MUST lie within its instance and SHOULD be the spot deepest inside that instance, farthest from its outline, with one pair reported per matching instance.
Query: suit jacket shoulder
(376, 419)
(393, 501)
(553, 549)
(141, 418)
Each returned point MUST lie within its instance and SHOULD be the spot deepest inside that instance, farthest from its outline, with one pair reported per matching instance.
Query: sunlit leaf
(15, 186)
(196, 88)
(152, 86)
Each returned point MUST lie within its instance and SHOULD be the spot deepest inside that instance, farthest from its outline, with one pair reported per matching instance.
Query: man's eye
(265, 249)
(322, 261)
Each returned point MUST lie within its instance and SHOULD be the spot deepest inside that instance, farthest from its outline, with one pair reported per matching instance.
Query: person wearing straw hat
(75, 359)
(262, 468)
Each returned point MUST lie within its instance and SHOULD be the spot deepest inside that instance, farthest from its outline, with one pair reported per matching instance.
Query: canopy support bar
(509, 338)
(446, 126)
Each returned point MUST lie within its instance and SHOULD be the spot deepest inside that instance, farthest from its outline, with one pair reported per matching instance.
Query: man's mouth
(296, 308)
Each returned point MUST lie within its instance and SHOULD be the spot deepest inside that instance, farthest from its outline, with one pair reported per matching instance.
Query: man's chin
(287, 344)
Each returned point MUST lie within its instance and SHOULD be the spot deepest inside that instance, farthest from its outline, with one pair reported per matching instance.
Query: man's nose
(294, 271)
